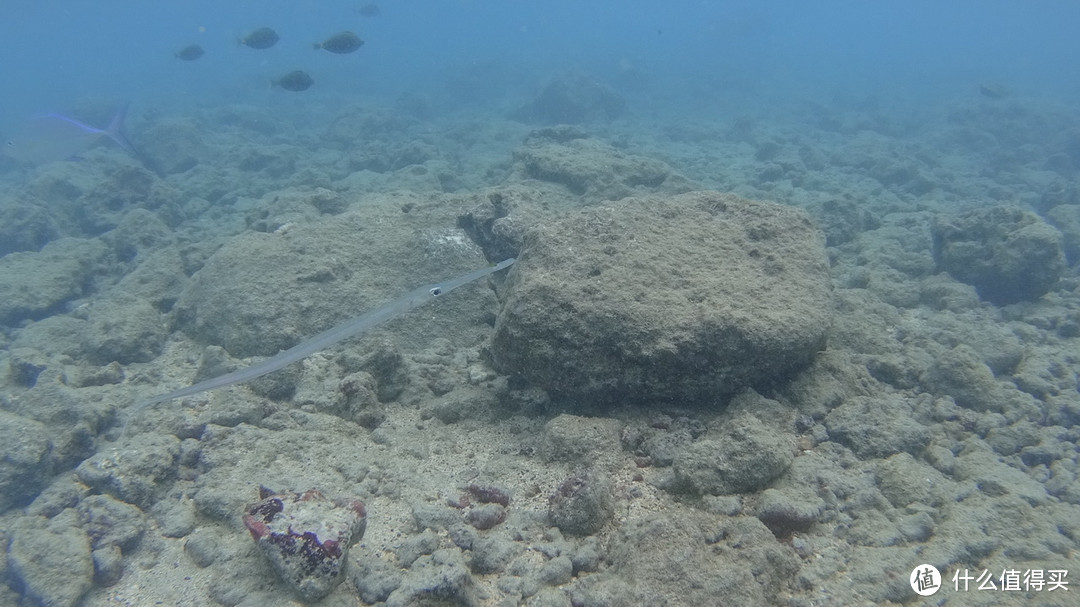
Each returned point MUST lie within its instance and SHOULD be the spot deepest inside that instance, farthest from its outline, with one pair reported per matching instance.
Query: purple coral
(490, 494)
(305, 536)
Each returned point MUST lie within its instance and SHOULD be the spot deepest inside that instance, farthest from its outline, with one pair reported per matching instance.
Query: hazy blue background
(667, 55)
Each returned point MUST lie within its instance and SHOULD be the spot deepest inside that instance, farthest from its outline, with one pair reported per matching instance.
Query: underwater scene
(555, 304)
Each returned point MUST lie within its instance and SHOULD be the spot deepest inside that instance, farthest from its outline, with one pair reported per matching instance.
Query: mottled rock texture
(682, 299)
(1008, 254)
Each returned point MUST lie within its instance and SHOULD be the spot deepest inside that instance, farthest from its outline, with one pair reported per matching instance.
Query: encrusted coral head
(306, 536)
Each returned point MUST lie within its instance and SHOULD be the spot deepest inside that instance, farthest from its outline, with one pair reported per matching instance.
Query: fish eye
(436, 291)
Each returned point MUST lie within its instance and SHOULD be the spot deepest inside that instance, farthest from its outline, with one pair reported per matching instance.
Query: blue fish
(53, 137)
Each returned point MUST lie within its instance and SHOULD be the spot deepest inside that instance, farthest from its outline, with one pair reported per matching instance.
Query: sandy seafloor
(934, 427)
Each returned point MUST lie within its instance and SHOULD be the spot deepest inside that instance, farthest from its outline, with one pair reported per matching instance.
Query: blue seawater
(527, 449)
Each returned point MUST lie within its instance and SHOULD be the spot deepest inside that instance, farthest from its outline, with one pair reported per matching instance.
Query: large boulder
(572, 99)
(50, 560)
(593, 169)
(26, 459)
(265, 292)
(36, 284)
(1006, 253)
(745, 456)
(687, 299)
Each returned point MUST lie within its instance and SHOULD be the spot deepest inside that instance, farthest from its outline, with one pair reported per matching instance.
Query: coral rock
(306, 536)
(687, 299)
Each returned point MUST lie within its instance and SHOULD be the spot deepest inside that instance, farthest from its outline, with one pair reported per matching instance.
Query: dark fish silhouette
(261, 38)
(190, 52)
(294, 81)
(370, 10)
(341, 43)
